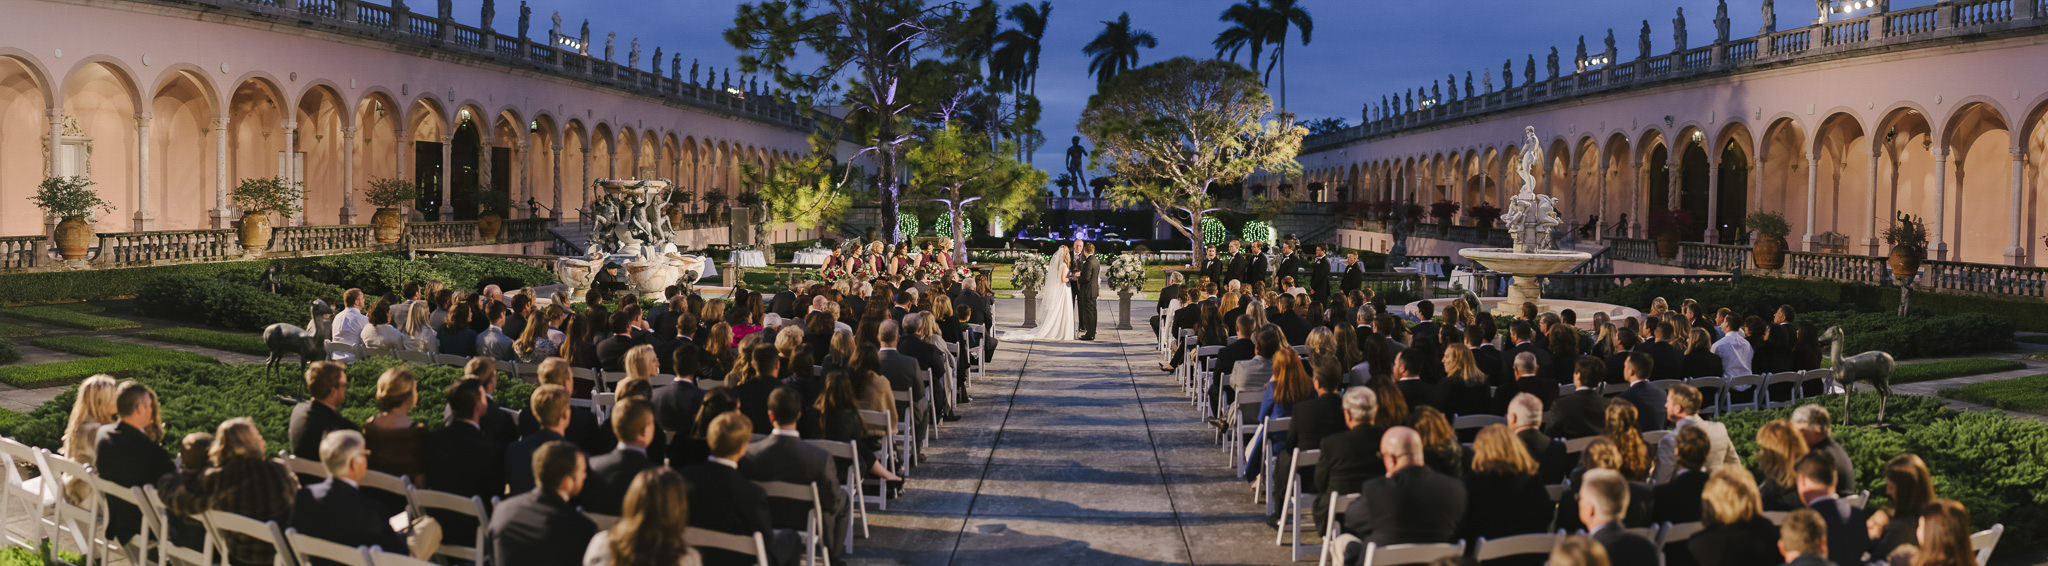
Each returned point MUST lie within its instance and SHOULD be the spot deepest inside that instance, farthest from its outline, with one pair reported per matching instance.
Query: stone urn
(1030, 308)
(1667, 245)
(1769, 252)
(488, 224)
(1123, 309)
(387, 225)
(1904, 263)
(675, 215)
(255, 230)
(74, 237)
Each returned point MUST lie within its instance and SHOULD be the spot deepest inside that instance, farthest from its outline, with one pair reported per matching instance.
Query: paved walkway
(1073, 453)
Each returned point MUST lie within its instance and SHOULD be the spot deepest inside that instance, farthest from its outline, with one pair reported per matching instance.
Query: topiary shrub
(375, 274)
(1754, 296)
(1917, 335)
(217, 302)
(8, 354)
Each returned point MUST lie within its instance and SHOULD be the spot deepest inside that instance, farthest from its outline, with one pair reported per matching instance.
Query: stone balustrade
(434, 234)
(21, 252)
(1848, 268)
(135, 249)
(1714, 257)
(170, 246)
(319, 239)
(1636, 250)
(1592, 287)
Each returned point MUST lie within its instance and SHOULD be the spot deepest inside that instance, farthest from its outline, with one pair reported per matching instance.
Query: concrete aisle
(1073, 453)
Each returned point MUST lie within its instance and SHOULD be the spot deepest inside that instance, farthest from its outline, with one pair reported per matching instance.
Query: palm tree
(1282, 15)
(1115, 50)
(1020, 45)
(1248, 29)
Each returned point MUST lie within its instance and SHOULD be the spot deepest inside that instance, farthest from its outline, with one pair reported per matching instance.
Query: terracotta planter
(388, 224)
(74, 237)
(1769, 252)
(1667, 246)
(487, 225)
(675, 215)
(1904, 264)
(255, 230)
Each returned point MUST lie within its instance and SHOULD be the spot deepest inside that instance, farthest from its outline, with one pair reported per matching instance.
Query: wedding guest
(397, 444)
(244, 481)
(654, 528)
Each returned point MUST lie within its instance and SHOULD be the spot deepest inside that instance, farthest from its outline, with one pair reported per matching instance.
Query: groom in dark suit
(1086, 271)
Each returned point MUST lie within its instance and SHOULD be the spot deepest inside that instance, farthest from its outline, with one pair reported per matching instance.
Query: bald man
(1412, 504)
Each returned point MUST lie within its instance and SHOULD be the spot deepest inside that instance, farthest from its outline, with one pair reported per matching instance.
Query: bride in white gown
(1057, 320)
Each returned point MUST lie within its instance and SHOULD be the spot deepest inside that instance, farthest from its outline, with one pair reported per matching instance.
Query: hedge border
(73, 318)
(104, 356)
(2024, 394)
(238, 342)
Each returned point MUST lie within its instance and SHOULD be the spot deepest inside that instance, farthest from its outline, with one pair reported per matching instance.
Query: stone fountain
(630, 232)
(1530, 219)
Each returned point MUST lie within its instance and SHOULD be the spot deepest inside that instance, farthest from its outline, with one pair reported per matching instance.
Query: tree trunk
(1195, 241)
(959, 235)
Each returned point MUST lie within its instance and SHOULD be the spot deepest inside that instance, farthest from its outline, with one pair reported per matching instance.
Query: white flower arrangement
(1126, 273)
(1028, 274)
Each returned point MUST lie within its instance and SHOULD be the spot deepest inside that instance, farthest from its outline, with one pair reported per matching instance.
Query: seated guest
(605, 491)
(1410, 505)
(129, 455)
(312, 419)
(1803, 538)
(1944, 535)
(180, 493)
(1815, 428)
(1408, 366)
(721, 498)
(458, 338)
(1700, 359)
(380, 333)
(550, 407)
(1733, 348)
(1525, 415)
(1464, 387)
(611, 352)
(397, 446)
(1527, 370)
(454, 451)
(1910, 488)
(584, 431)
(1847, 535)
(1440, 449)
(1248, 376)
(1603, 501)
(1678, 498)
(1578, 550)
(533, 343)
(756, 382)
(1621, 430)
(1504, 494)
(335, 510)
(784, 457)
(492, 341)
(1648, 400)
(1321, 416)
(540, 527)
(1681, 407)
(244, 481)
(675, 405)
(350, 322)
(654, 528)
(1735, 532)
(419, 334)
(839, 407)
(1582, 413)
(1779, 448)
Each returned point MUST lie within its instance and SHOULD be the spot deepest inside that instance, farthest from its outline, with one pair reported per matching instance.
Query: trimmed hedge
(2025, 315)
(1753, 296)
(1994, 464)
(69, 317)
(100, 284)
(1918, 335)
(197, 397)
(8, 353)
(1922, 334)
(230, 341)
(103, 356)
(2029, 394)
(1944, 369)
(218, 302)
(377, 274)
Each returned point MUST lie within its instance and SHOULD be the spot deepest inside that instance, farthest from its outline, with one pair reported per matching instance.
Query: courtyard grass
(238, 342)
(69, 317)
(1945, 369)
(12, 330)
(2027, 394)
(103, 356)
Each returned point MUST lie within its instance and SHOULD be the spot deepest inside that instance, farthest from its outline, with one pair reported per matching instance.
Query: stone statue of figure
(1468, 84)
(447, 11)
(675, 65)
(525, 19)
(1821, 6)
(754, 84)
(1507, 74)
(1488, 80)
(555, 33)
(1610, 43)
(1077, 162)
(657, 61)
(727, 83)
(1383, 106)
(1529, 70)
(1678, 31)
(610, 38)
(583, 39)
(633, 54)
(1721, 22)
(1579, 63)
(1530, 218)
(1408, 102)
(490, 13)
(1770, 18)
(1453, 77)
(1643, 41)
(1436, 92)
(693, 70)
(1884, 6)
(1551, 64)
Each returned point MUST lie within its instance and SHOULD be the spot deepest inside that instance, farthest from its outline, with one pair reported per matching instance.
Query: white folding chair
(23, 497)
(661, 379)
(1332, 552)
(152, 532)
(1776, 517)
(1857, 499)
(749, 545)
(905, 431)
(602, 404)
(1984, 541)
(1789, 380)
(397, 486)
(80, 523)
(926, 409)
(1824, 376)
(1475, 422)
(380, 352)
(450, 360)
(168, 550)
(1534, 544)
(709, 384)
(1754, 388)
(308, 547)
(877, 420)
(1418, 553)
(850, 485)
(1652, 437)
(221, 524)
(604, 522)
(416, 358)
(455, 545)
(1678, 533)
(1577, 445)
(1296, 502)
(1711, 389)
(1612, 389)
(301, 466)
(814, 522)
(381, 558)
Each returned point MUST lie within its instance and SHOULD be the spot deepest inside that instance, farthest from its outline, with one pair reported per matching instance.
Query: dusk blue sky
(1361, 49)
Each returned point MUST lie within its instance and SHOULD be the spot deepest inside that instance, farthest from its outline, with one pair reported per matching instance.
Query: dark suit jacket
(1290, 266)
(612, 352)
(538, 529)
(1740, 544)
(753, 397)
(1258, 270)
(1678, 500)
(975, 304)
(1319, 276)
(1649, 402)
(1412, 505)
(311, 421)
(604, 490)
(928, 355)
(1240, 266)
(337, 511)
(786, 459)
(519, 460)
(1507, 358)
(1665, 361)
(1090, 284)
(1549, 455)
(1167, 295)
(1315, 419)
(901, 370)
(585, 431)
(723, 500)
(127, 457)
(501, 425)
(453, 455)
(1349, 459)
(683, 344)
(1294, 327)
(1421, 392)
(1502, 505)
(1580, 414)
(1489, 360)
(783, 304)
(1354, 277)
(1847, 537)
(675, 408)
(1217, 269)
(1625, 548)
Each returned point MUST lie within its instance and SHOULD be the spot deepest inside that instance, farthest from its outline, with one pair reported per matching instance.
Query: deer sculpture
(1873, 367)
(309, 345)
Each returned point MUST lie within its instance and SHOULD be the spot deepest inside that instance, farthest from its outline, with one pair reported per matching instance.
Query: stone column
(1938, 247)
(145, 219)
(1713, 235)
(1673, 178)
(447, 170)
(1870, 226)
(521, 160)
(557, 171)
(483, 169)
(221, 215)
(2017, 251)
(583, 193)
(1812, 197)
(401, 141)
(1756, 185)
(1599, 233)
(290, 171)
(55, 144)
(348, 175)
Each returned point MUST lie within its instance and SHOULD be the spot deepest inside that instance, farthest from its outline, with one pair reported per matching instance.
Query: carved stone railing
(436, 234)
(21, 252)
(322, 239)
(429, 33)
(541, 261)
(1588, 287)
(526, 230)
(1601, 263)
(1826, 41)
(1636, 250)
(1713, 257)
(1838, 267)
(1984, 278)
(173, 246)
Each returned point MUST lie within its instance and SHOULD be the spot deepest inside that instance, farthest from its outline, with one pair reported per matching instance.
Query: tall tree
(1281, 16)
(1115, 50)
(1017, 61)
(1248, 30)
(1173, 130)
(955, 170)
(802, 191)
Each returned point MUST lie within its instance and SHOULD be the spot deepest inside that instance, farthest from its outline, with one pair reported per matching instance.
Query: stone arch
(1903, 138)
(576, 168)
(1734, 151)
(100, 104)
(322, 116)
(604, 152)
(1617, 209)
(1781, 175)
(670, 156)
(647, 159)
(380, 151)
(1582, 201)
(1842, 180)
(25, 98)
(1692, 174)
(544, 144)
(626, 156)
(507, 170)
(1978, 137)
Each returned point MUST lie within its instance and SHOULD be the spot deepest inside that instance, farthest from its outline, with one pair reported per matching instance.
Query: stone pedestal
(1123, 310)
(1031, 308)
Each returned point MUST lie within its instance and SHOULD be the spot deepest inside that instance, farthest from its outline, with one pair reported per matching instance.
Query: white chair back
(83, 521)
(848, 451)
(301, 466)
(387, 483)
(1534, 544)
(306, 548)
(167, 551)
(1577, 445)
(460, 546)
(749, 545)
(418, 358)
(1681, 532)
(1419, 553)
(813, 534)
(604, 522)
(1985, 541)
(381, 558)
(450, 360)
(1652, 437)
(219, 524)
(1475, 422)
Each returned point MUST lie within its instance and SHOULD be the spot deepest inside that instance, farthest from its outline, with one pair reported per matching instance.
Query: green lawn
(71, 317)
(104, 356)
(207, 338)
(2029, 394)
(9, 330)
(1944, 369)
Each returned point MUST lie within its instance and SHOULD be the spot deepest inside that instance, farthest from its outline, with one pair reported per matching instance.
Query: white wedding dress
(1057, 320)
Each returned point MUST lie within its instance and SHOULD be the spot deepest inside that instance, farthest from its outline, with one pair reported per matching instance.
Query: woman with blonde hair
(244, 481)
(1735, 531)
(642, 363)
(1465, 390)
(1621, 428)
(652, 530)
(419, 329)
(1322, 343)
(397, 444)
(743, 364)
(1778, 448)
(1944, 535)
(1658, 307)
(92, 408)
(1504, 491)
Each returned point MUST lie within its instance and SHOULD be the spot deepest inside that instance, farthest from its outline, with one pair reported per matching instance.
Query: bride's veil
(1058, 271)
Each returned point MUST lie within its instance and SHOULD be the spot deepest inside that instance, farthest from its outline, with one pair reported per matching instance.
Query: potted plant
(712, 200)
(73, 200)
(1769, 247)
(258, 198)
(1667, 226)
(678, 204)
(1485, 213)
(1908, 237)
(1411, 211)
(1443, 210)
(491, 209)
(388, 194)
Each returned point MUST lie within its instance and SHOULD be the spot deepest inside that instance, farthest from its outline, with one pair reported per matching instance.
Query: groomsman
(1354, 273)
(1240, 264)
(1290, 266)
(1319, 274)
(1258, 270)
(1087, 271)
(1214, 267)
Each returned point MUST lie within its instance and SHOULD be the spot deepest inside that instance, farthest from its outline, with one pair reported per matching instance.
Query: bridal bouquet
(1126, 273)
(1028, 274)
(832, 274)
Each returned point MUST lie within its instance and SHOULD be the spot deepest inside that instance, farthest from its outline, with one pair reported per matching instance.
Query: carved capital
(220, 123)
(447, 139)
(348, 133)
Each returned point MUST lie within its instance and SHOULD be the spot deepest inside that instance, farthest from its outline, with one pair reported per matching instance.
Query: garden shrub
(1918, 335)
(230, 341)
(99, 284)
(217, 302)
(69, 318)
(2029, 394)
(1753, 296)
(8, 353)
(102, 356)
(375, 274)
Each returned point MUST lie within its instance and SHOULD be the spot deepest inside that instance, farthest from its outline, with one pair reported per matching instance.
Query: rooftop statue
(1678, 31)
(1643, 41)
(1770, 18)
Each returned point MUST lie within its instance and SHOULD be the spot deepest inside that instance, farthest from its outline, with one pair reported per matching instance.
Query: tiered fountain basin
(1526, 267)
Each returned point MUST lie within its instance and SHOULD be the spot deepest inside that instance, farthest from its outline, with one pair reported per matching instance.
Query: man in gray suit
(899, 368)
(493, 342)
(1087, 272)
